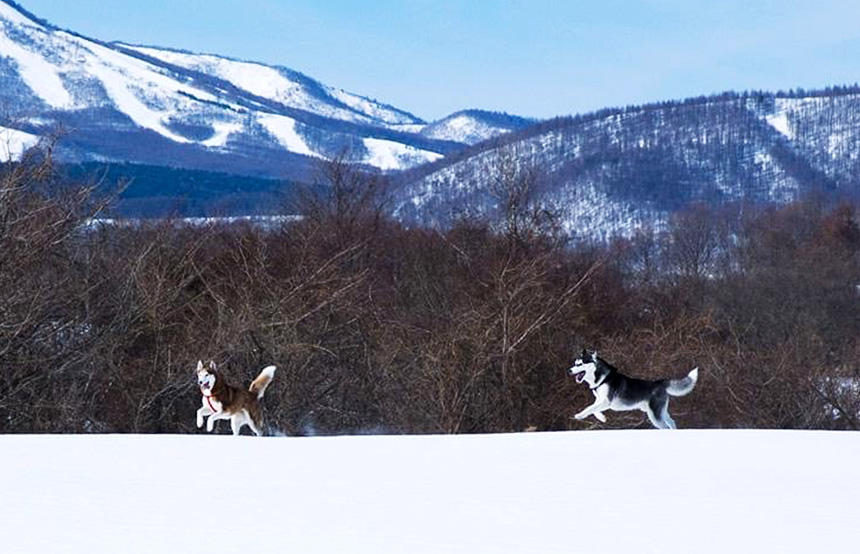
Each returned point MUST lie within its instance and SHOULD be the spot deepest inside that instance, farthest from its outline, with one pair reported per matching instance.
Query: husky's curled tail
(681, 387)
(258, 385)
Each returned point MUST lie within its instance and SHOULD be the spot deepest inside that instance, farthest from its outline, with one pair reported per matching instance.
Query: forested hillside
(621, 169)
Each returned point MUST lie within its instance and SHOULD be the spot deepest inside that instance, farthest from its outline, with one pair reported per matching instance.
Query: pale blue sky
(537, 58)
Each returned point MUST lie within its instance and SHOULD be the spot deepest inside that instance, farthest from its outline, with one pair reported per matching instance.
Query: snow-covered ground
(598, 492)
(388, 154)
(13, 143)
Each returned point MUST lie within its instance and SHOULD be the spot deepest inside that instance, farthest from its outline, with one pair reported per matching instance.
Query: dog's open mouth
(579, 375)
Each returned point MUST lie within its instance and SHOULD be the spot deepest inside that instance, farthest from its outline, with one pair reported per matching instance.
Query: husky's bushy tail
(258, 385)
(680, 387)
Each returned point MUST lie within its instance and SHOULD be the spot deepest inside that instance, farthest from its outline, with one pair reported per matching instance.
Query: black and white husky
(615, 391)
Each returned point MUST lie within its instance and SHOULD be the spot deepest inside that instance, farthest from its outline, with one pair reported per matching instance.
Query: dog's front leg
(598, 406)
(203, 411)
(210, 423)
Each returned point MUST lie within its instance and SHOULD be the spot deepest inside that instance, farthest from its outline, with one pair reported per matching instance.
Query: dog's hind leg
(652, 418)
(670, 423)
(651, 410)
(658, 406)
(253, 425)
(237, 421)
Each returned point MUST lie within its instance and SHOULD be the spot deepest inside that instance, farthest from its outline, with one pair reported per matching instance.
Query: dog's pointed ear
(212, 365)
(199, 365)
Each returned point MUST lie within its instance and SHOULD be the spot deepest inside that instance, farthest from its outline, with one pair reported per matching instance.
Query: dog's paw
(600, 416)
(579, 416)
(199, 422)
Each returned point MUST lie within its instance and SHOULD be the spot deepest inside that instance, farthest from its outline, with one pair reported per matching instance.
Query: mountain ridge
(183, 109)
(604, 172)
(618, 169)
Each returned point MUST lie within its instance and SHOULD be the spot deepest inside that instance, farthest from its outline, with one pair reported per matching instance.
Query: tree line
(377, 327)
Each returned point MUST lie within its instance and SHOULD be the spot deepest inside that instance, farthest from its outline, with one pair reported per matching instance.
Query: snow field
(387, 154)
(602, 492)
(13, 143)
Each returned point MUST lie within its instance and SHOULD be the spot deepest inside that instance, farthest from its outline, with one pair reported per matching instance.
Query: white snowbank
(387, 154)
(603, 492)
(13, 143)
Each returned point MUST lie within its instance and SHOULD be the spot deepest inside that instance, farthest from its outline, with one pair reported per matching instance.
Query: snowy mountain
(619, 169)
(283, 86)
(119, 102)
(708, 492)
(473, 126)
(607, 172)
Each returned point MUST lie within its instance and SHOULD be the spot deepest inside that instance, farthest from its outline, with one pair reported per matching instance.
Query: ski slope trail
(601, 492)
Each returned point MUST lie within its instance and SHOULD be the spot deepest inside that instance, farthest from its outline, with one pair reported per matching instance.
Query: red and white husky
(224, 401)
